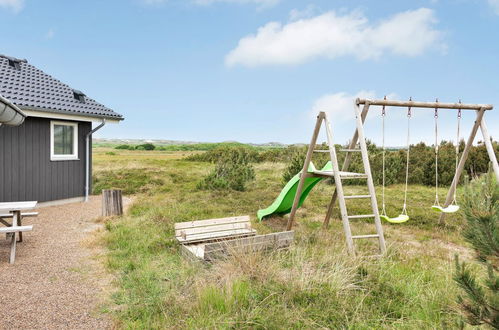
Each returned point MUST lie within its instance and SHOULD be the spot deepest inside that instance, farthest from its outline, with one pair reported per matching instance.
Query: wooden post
(112, 202)
(303, 175)
(462, 161)
(346, 164)
(15, 218)
(490, 148)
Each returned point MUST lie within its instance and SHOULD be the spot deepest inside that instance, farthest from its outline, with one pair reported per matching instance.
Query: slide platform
(284, 202)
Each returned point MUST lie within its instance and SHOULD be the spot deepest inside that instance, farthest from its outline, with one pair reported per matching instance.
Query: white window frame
(73, 156)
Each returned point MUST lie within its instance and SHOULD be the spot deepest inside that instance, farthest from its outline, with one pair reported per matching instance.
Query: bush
(146, 146)
(480, 302)
(232, 171)
(124, 147)
(297, 159)
(223, 153)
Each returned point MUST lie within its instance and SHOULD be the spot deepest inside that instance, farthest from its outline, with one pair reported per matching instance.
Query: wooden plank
(211, 229)
(248, 244)
(432, 105)
(11, 206)
(26, 214)
(365, 236)
(343, 175)
(363, 216)
(490, 148)
(217, 235)
(357, 196)
(211, 222)
(16, 229)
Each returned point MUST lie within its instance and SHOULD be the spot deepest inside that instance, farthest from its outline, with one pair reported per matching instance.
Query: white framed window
(63, 140)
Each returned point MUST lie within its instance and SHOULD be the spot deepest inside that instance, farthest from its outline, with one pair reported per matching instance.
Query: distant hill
(157, 142)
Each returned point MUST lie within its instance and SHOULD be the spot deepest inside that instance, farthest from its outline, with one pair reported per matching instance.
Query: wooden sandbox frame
(207, 240)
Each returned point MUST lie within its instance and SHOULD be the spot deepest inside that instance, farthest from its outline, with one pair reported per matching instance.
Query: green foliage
(125, 147)
(232, 170)
(225, 152)
(481, 207)
(111, 153)
(131, 181)
(296, 158)
(146, 146)
(480, 302)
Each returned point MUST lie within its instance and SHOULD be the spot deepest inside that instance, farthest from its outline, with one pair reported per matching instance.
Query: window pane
(63, 139)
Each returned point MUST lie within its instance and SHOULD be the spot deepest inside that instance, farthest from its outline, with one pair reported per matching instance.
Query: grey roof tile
(31, 88)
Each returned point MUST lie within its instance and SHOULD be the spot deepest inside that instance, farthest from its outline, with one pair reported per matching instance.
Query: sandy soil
(58, 280)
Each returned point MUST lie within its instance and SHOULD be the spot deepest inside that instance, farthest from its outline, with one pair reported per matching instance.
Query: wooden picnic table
(15, 208)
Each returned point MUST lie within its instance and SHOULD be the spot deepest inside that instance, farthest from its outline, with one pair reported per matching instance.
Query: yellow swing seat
(449, 209)
(400, 219)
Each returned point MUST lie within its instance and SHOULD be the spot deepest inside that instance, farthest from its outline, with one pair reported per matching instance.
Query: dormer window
(79, 96)
(15, 64)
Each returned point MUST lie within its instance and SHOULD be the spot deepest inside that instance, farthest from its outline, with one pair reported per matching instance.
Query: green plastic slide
(284, 202)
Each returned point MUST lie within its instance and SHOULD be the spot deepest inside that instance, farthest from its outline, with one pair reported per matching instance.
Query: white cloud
(15, 5)
(495, 5)
(330, 35)
(260, 3)
(308, 12)
(339, 106)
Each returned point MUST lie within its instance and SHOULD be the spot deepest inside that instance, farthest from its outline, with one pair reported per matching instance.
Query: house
(48, 157)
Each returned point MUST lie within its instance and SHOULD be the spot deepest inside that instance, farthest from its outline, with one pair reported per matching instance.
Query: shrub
(146, 146)
(297, 159)
(232, 171)
(223, 153)
(131, 181)
(125, 147)
(480, 302)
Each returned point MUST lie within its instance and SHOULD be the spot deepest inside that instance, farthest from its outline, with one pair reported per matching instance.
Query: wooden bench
(23, 214)
(210, 239)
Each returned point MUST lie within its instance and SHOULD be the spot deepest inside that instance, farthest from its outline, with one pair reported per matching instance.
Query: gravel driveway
(57, 281)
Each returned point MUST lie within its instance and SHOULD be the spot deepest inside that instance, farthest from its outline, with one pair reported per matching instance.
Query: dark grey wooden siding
(26, 171)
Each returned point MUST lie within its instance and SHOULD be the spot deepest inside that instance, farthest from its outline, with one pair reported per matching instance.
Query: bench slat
(16, 229)
(217, 235)
(211, 229)
(27, 214)
(211, 222)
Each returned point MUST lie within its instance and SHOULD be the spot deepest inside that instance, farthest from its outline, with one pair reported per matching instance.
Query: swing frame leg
(490, 148)
(462, 161)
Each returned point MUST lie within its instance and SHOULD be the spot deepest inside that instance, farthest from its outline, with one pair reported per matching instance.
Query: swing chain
(383, 112)
(409, 108)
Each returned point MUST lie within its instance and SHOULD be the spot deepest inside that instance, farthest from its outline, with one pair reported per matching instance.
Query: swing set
(403, 216)
(358, 144)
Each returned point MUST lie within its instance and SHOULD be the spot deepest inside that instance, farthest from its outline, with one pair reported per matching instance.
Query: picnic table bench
(14, 210)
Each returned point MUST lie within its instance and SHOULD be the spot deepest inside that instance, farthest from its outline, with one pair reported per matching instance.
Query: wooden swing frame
(480, 110)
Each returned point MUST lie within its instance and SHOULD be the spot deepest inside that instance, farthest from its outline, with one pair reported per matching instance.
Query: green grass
(314, 284)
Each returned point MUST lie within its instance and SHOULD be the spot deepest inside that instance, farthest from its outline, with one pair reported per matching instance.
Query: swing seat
(449, 209)
(400, 219)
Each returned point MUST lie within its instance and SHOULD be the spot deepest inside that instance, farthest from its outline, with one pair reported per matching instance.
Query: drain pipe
(87, 158)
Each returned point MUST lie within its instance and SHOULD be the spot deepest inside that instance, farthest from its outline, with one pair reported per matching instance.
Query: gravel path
(57, 280)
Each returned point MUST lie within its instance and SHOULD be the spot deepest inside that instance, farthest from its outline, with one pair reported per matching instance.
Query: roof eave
(70, 113)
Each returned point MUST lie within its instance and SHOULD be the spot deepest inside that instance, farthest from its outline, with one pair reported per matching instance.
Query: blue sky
(258, 70)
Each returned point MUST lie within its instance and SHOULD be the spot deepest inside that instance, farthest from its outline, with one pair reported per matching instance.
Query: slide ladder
(340, 175)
